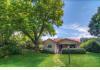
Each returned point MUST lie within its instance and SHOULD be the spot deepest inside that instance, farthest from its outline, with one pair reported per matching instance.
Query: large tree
(46, 14)
(95, 24)
(39, 20)
(34, 18)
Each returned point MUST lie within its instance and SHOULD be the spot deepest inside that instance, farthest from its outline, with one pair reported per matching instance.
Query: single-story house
(57, 45)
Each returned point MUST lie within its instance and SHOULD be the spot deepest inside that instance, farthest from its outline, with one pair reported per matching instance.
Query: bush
(9, 50)
(13, 50)
(74, 51)
(91, 46)
(3, 53)
(87, 43)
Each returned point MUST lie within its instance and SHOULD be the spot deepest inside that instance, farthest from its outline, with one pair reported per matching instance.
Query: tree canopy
(95, 24)
(34, 18)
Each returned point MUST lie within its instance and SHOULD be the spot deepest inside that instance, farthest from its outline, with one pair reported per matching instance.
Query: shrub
(91, 46)
(13, 50)
(87, 43)
(9, 50)
(2, 52)
(74, 51)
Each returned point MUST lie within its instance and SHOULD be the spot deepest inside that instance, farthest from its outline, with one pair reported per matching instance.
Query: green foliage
(91, 45)
(34, 19)
(87, 43)
(74, 51)
(95, 24)
(29, 45)
(40, 18)
(14, 50)
(66, 51)
(9, 49)
(21, 39)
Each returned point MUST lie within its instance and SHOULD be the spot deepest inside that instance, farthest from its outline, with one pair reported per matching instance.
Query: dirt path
(56, 59)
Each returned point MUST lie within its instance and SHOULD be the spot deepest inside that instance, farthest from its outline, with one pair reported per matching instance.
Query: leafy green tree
(95, 24)
(37, 19)
(5, 25)
(46, 14)
(10, 17)
(34, 18)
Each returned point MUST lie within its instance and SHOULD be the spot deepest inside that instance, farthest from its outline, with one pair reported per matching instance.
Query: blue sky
(77, 14)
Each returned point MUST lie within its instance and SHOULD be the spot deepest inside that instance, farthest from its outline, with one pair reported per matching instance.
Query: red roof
(56, 40)
(77, 39)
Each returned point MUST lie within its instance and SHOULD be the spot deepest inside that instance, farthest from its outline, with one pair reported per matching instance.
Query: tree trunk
(36, 45)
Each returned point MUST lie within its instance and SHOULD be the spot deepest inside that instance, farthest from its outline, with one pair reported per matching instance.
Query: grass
(51, 60)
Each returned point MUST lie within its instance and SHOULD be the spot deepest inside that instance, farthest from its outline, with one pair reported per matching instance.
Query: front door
(60, 48)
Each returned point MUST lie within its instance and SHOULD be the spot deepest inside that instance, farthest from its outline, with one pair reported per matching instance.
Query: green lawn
(51, 60)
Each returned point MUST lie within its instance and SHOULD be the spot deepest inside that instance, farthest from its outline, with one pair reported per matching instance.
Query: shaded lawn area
(51, 60)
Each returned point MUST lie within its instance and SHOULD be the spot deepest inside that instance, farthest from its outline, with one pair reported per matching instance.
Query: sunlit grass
(51, 60)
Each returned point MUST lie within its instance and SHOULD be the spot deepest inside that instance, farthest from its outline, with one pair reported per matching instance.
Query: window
(72, 46)
(49, 46)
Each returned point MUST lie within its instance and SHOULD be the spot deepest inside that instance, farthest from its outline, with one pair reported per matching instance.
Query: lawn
(51, 60)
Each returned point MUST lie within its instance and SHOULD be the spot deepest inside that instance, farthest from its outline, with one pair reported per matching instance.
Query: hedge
(74, 51)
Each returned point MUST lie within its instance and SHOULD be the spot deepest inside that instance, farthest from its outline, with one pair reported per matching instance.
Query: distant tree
(95, 24)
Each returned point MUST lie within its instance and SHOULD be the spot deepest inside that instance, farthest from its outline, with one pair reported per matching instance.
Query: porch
(63, 46)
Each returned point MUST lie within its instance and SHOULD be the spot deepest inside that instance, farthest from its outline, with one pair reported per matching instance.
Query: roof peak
(61, 39)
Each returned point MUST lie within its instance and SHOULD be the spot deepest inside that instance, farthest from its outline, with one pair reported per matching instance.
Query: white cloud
(76, 26)
(48, 36)
(82, 31)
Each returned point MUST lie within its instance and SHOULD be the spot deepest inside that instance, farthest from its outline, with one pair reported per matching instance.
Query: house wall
(53, 48)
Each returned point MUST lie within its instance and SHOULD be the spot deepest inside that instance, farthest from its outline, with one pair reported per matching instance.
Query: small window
(72, 46)
(49, 46)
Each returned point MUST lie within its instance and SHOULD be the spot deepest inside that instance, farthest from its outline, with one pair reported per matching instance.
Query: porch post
(77, 45)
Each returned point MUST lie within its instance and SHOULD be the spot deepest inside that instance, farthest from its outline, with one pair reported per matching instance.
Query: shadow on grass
(82, 60)
(26, 60)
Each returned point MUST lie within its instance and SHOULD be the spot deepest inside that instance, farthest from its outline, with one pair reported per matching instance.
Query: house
(57, 45)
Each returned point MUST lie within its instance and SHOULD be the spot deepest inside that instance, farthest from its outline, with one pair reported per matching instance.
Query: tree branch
(26, 33)
(42, 28)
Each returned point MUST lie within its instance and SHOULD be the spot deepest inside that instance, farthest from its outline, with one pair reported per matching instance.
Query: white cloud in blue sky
(76, 18)
(72, 30)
